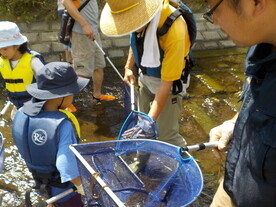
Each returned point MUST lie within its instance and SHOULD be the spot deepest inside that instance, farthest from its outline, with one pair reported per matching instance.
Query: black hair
(236, 5)
(23, 48)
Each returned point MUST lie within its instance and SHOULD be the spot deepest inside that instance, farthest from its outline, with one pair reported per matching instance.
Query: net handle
(107, 58)
(56, 198)
(132, 97)
(118, 202)
(4, 110)
(200, 146)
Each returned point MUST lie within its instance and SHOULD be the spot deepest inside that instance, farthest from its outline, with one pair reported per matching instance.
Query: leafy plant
(28, 10)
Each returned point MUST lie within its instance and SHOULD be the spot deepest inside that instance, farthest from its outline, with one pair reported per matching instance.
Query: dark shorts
(74, 201)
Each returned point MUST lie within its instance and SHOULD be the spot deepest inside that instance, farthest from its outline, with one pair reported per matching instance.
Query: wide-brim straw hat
(10, 35)
(121, 17)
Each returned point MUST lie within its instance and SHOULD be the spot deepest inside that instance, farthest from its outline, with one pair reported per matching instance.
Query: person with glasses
(250, 170)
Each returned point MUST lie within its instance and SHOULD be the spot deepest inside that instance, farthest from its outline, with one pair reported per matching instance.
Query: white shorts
(87, 57)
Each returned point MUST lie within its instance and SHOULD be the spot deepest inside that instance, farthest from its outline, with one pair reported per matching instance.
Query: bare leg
(97, 78)
(68, 56)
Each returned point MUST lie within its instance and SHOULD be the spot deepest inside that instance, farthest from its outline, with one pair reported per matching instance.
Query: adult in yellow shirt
(160, 60)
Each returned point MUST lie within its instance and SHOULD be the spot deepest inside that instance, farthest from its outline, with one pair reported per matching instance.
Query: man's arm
(129, 76)
(160, 99)
(75, 14)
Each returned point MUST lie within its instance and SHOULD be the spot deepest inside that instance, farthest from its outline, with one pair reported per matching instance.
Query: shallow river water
(212, 98)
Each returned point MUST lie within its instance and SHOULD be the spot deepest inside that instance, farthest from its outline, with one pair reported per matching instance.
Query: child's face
(10, 52)
(68, 100)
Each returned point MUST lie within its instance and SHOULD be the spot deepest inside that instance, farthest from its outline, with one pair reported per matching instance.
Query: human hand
(129, 77)
(88, 32)
(143, 130)
(223, 134)
(80, 189)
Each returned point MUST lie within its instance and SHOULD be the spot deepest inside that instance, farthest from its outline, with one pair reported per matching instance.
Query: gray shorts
(86, 55)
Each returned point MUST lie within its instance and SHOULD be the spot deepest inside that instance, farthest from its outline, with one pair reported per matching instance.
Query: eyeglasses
(208, 16)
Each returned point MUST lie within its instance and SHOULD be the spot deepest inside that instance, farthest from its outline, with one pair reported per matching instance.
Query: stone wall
(43, 38)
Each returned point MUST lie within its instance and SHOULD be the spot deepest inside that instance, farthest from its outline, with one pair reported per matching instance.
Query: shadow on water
(212, 98)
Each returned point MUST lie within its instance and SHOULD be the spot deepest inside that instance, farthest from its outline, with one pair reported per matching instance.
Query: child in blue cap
(43, 130)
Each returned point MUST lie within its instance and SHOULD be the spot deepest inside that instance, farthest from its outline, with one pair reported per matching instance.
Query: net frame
(114, 151)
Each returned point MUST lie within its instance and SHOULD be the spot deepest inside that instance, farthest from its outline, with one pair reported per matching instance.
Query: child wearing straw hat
(17, 65)
(43, 130)
(158, 66)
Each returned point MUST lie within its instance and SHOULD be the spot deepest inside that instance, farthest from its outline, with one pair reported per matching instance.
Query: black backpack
(66, 25)
(38, 55)
(187, 14)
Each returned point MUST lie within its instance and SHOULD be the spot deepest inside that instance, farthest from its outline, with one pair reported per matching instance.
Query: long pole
(200, 146)
(55, 198)
(132, 97)
(4, 110)
(98, 178)
(109, 60)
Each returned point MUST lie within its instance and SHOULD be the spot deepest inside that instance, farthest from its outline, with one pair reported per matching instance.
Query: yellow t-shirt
(175, 44)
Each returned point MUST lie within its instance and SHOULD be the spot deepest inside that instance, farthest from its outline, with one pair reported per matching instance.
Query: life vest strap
(13, 80)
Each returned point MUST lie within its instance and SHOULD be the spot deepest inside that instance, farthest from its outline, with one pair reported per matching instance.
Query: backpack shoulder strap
(83, 5)
(187, 14)
(169, 21)
(38, 55)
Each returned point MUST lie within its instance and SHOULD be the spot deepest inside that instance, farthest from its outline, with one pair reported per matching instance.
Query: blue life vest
(137, 48)
(37, 141)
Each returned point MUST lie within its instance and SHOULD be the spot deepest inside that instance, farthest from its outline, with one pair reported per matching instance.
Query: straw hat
(10, 35)
(121, 17)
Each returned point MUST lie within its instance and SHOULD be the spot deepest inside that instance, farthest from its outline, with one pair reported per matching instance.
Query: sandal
(104, 98)
(71, 108)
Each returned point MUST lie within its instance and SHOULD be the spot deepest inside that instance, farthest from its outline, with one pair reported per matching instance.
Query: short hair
(23, 48)
(236, 5)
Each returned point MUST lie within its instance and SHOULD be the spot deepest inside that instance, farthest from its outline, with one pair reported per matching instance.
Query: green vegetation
(30, 10)
(46, 10)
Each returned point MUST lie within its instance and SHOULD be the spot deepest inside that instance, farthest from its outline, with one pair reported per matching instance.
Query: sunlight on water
(212, 98)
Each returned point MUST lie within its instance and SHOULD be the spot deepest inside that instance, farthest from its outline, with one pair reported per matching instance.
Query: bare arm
(162, 93)
(160, 99)
(75, 14)
(129, 76)
(76, 181)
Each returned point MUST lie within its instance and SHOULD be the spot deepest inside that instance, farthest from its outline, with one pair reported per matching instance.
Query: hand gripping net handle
(200, 146)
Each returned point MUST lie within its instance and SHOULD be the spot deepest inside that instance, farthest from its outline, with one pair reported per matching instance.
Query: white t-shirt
(36, 64)
(60, 5)
(91, 14)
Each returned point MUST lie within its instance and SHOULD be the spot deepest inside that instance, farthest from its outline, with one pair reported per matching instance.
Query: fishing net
(138, 125)
(138, 172)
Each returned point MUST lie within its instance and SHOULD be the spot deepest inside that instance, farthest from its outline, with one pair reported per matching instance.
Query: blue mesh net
(140, 173)
(149, 127)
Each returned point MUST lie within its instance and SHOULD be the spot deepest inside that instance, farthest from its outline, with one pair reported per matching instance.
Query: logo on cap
(39, 137)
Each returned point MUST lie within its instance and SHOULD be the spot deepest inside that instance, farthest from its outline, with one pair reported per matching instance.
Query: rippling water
(212, 98)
